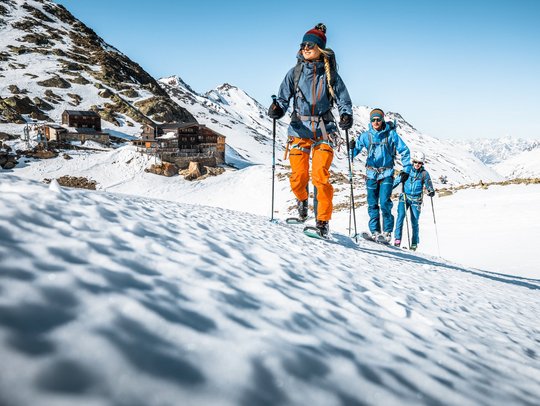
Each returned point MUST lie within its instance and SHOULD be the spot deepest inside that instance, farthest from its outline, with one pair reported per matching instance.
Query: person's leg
(323, 154)
(400, 218)
(386, 204)
(415, 217)
(299, 161)
(372, 187)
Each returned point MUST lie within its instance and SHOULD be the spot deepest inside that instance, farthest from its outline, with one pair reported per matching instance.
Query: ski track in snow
(110, 299)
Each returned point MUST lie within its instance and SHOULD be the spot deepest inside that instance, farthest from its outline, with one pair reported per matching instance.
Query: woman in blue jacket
(411, 198)
(314, 85)
(382, 143)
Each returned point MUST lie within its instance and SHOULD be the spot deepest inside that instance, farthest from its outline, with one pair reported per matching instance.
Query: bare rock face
(55, 81)
(11, 109)
(164, 169)
(164, 110)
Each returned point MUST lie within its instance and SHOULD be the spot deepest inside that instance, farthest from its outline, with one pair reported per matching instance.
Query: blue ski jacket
(312, 100)
(382, 147)
(415, 183)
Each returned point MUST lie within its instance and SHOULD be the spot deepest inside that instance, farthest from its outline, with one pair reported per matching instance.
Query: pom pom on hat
(316, 35)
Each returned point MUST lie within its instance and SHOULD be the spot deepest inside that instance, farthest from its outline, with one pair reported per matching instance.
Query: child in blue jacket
(411, 198)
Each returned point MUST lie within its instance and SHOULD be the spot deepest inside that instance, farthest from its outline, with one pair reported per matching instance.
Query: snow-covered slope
(492, 151)
(108, 299)
(50, 61)
(229, 110)
(522, 165)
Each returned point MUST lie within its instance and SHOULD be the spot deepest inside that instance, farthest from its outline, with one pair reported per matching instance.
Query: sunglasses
(308, 45)
(417, 162)
(376, 120)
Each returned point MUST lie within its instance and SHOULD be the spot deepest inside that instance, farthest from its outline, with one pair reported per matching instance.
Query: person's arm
(428, 184)
(358, 145)
(404, 152)
(286, 91)
(343, 100)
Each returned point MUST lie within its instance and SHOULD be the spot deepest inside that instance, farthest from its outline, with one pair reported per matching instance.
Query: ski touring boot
(413, 247)
(383, 238)
(321, 230)
(397, 243)
(302, 207)
(324, 228)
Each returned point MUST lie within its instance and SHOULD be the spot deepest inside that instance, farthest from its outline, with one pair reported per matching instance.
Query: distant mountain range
(492, 151)
(509, 156)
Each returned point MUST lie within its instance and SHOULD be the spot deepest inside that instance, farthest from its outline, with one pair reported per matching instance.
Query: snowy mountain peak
(178, 82)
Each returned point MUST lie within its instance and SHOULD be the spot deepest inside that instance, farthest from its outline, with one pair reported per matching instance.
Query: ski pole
(350, 212)
(273, 160)
(352, 188)
(434, 222)
(406, 209)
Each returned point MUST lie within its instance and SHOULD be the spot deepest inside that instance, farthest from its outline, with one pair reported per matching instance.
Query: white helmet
(419, 156)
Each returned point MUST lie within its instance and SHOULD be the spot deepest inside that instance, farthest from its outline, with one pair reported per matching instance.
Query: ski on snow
(314, 232)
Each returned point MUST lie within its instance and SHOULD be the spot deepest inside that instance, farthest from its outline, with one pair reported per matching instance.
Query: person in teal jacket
(411, 198)
(382, 143)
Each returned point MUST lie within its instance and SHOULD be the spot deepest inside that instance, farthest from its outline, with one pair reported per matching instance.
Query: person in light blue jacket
(382, 143)
(411, 198)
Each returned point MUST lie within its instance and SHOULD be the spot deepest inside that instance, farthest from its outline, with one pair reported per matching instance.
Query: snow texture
(124, 300)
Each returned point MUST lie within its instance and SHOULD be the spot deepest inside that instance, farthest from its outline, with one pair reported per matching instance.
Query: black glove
(345, 121)
(404, 176)
(275, 111)
(352, 144)
(431, 193)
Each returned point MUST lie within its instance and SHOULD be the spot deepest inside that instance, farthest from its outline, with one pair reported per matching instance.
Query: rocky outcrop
(55, 81)
(40, 153)
(7, 160)
(164, 110)
(12, 108)
(196, 171)
(164, 169)
(78, 182)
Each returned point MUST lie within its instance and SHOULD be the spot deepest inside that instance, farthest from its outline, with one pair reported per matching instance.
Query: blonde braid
(328, 72)
(329, 77)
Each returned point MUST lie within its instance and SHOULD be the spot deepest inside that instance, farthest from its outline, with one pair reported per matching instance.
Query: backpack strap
(296, 89)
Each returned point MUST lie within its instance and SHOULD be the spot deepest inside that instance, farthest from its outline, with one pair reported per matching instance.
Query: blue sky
(453, 69)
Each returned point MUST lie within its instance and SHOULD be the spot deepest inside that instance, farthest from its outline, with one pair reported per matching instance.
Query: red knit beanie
(316, 35)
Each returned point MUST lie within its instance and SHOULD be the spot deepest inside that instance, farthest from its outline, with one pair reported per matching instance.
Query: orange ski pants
(322, 156)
